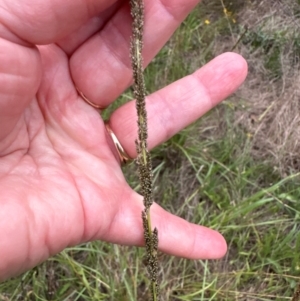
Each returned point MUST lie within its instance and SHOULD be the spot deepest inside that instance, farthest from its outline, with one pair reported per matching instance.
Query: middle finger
(101, 67)
(70, 43)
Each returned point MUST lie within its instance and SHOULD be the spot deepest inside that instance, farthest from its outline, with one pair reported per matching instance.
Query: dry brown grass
(270, 113)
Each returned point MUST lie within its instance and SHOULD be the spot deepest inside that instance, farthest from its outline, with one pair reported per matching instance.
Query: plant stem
(143, 156)
(296, 296)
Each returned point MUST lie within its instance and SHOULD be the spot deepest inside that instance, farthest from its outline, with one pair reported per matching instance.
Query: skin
(60, 181)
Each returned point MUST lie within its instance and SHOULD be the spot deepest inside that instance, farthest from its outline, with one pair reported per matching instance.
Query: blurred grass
(211, 174)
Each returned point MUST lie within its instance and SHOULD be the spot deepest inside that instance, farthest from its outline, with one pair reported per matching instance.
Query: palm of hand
(60, 183)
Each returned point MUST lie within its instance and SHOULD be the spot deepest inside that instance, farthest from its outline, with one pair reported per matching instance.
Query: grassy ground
(235, 170)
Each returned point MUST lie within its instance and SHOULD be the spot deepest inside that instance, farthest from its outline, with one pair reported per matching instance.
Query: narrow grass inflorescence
(143, 156)
(236, 170)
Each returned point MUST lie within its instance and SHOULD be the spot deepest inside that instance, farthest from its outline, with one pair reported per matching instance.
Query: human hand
(60, 182)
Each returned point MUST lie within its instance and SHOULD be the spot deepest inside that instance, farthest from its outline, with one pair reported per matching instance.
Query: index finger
(176, 106)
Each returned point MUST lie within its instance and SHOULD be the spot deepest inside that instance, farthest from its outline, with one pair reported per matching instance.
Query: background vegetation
(235, 170)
